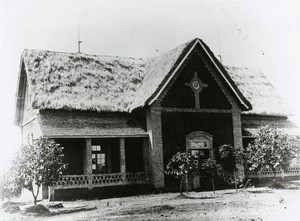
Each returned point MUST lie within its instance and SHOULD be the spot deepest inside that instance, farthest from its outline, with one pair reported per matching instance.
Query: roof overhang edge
(181, 62)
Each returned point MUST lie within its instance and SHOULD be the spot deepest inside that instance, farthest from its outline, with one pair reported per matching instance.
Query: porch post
(146, 154)
(122, 159)
(45, 192)
(108, 160)
(154, 128)
(87, 157)
(237, 136)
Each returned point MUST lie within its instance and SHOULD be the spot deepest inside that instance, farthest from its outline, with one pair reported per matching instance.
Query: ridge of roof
(79, 81)
(161, 72)
(157, 72)
(79, 54)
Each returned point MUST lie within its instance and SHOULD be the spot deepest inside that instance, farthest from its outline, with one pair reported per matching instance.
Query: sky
(257, 34)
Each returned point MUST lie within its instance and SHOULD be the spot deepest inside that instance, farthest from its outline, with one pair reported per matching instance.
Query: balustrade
(292, 171)
(140, 177)
(98, 180)
(106, 179)
(229, 177)
(72, 180)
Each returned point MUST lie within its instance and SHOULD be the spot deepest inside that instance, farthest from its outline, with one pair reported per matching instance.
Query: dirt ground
(254, 204)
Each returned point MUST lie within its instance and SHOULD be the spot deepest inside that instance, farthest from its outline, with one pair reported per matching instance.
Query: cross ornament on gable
(197, 86)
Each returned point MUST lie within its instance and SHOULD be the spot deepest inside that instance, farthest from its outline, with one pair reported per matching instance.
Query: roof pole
(219, 44)
(79, 42)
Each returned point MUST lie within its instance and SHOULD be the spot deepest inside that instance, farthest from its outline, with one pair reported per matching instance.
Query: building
(121, 119)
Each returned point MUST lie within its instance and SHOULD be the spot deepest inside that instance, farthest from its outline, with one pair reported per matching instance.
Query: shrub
(182, 165)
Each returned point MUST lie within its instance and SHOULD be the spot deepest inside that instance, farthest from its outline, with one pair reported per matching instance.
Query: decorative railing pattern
(102, 179)
(228, 177)
(72, 180)
(99, 180)
(292, 171)
(139, 177)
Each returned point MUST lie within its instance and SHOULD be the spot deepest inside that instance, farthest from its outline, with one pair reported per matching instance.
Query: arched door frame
(200, 140)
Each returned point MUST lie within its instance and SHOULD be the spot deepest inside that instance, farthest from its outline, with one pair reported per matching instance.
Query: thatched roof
(251, 125)
(77, 81)
(258, 90)
(156, 73)
(82, 82)
(88, 124)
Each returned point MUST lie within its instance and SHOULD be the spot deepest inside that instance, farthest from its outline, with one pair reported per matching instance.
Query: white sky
(256, 34)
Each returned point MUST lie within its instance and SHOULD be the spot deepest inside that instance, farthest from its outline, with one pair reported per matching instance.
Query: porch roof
(89, 125)
(251, 125)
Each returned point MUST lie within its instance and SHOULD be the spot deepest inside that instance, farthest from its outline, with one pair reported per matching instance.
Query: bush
(182, 165)
(271, 149)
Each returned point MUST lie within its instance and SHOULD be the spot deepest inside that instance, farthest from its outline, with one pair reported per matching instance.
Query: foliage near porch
(271, 150)
(36, 164)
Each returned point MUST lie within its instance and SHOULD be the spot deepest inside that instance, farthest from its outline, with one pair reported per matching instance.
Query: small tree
(209, 167)
(236, 155)
(39, 163)
(271, 149)
(182, 165)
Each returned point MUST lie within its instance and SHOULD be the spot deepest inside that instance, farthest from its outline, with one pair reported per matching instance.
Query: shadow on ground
(192, 197)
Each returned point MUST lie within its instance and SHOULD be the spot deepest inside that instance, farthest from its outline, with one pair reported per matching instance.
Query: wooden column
(87, 157)
(122, 159)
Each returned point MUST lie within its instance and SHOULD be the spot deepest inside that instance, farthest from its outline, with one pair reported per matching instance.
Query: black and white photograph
(149, 110)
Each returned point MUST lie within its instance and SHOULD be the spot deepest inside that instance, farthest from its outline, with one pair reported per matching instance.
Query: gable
(157, 76)
(195, 87)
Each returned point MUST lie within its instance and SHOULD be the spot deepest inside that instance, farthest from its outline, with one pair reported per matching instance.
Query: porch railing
(292, 171)
(99, 180)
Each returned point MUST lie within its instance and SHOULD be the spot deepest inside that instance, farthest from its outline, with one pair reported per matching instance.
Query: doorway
(199, 144)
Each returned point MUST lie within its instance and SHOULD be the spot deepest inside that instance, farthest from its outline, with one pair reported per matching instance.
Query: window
(98, 160)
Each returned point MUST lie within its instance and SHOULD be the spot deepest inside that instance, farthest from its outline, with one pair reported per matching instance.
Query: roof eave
(245, 104)
(19, 95)
(151, 99)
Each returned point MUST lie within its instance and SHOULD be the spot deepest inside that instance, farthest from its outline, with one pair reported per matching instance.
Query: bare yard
(253, 204)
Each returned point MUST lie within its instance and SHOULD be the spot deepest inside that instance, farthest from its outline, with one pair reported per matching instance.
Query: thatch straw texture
(77, 81)
(255, 86)
(82, 82)
(156, 73)
(251, 125)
